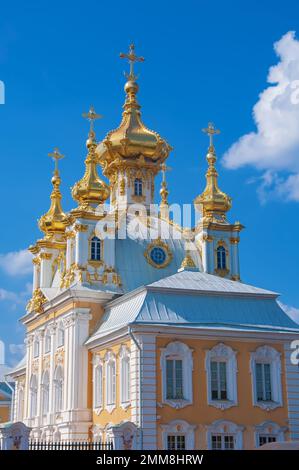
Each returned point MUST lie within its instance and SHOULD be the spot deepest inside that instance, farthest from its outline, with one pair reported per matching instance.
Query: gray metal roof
(197, 300)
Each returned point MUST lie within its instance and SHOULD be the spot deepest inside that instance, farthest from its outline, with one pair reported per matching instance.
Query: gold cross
(211, 131)
(132, 58)
(91, 116)
(56, 156)
(164, 168)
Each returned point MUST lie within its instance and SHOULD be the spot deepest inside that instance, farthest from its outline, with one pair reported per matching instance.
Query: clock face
(158, 255)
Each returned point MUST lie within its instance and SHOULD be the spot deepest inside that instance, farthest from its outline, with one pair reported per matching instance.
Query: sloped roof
(197, 300)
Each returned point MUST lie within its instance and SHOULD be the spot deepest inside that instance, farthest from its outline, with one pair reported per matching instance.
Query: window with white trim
(221, 257)
(60, 336)
(224, 435)
(178, 435)
(45, 393)
(124, 376)
(36, 347)
(110, 389)
(47, 343)
(95, 249)
(221, 368)
(98, 386)
(58, 389)
(177, 365)
(33, 396)
(269, 431)
(138, 187)
(265, 366)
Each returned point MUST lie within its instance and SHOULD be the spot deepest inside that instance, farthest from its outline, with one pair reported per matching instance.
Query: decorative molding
(224, 427)
(179, 427)
(160, 244)
(269, 429)
(178, 350)
(267, 354)
(223, 353)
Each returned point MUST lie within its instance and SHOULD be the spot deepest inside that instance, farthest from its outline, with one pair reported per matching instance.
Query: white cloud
(8, 295)
(293, 312)
(17, 349)
(16, 263)
(274, 147)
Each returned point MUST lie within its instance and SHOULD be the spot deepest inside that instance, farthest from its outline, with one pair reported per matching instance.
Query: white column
(52, 330)
(29, 354)
(39, 375)
(46, 269)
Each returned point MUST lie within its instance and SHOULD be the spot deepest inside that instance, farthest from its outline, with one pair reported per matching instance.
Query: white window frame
(36, 347)
(45, 392)
(223, 353)
(60, 336)
(58, 389)
(180, 351)
(179, 427)
(225, 428)
(110, 386)
(33, 396)
(47, 342)
(270, 429)
(267, 354)
(125, 395)
(98, 375)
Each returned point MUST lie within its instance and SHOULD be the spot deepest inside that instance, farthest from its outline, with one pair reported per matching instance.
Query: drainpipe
(140, 420)
(12, 400)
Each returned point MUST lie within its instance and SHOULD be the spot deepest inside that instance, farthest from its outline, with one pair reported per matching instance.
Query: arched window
(60, 336)
(20, 403)
(110, 381)
(177, 364)
(138, 187)
(124, 376)
(47, 343)
(33, 396)
(221, 257)
(45, 393)
(58, 389)
(98, 386)
(95, 249)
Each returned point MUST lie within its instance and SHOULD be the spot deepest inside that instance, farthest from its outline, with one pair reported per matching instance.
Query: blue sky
(203, 62)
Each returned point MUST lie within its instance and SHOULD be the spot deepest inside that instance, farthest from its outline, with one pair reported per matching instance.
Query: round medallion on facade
(158, 254)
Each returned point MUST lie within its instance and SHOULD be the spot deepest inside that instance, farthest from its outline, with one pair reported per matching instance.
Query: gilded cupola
(212, 203)
(90, 190)
(132, 144)
(55, 220)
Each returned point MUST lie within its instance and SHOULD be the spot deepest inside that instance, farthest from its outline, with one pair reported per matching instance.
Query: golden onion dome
(55, 220)
(132, 139)
(90, 189)
(212, 202)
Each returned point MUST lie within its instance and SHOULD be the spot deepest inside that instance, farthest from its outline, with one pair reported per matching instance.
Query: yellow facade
(202, 414)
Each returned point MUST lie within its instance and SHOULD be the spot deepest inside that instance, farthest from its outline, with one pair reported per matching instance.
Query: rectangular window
(176, 442)
(218, 380)
(263, 382)
(222, 442)
(265, 439)
(174, 379)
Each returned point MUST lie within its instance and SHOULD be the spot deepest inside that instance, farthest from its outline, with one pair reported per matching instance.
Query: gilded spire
(132, 142)
(90, 189)
(55, 220)
(213, 202)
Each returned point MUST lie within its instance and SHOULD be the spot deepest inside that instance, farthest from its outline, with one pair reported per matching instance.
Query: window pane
(229, 442)
(267, 375)
(169, 379)
(171, 442)
(214, 380)
(179, 379)
(180, 443)
(222, 373)
(216, 442)
(259, 382)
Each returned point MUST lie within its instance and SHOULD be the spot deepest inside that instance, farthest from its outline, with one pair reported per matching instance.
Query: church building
(139, 331)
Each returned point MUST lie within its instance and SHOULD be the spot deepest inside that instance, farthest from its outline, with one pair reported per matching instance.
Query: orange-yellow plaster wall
(200, 413)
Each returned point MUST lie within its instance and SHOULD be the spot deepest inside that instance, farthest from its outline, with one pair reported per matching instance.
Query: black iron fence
(67, 445)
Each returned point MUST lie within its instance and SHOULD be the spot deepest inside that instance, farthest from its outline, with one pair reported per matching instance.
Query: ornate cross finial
(211, 131)
(164, 168)
(132, 58)
(56, 156)
(91, 116)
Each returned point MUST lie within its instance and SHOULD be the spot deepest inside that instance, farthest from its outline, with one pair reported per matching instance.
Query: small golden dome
(55, 220)
(132, 139)
(212, 202)
(91, 189)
